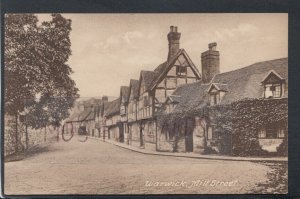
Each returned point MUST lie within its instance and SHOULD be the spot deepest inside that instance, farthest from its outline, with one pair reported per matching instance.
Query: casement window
(180, 70)
(146, 101)
(214, 98)
(216, 92)
(271, 132)
(210, 133)
(281, 133)
(273, 85)
(273, 90)
(122, 110)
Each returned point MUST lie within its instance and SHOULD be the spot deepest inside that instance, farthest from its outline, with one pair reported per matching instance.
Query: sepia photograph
(181, 103)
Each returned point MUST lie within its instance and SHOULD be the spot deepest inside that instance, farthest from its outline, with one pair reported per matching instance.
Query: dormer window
(216, 92)
(273, 90)
(273, 85)
(214, 98)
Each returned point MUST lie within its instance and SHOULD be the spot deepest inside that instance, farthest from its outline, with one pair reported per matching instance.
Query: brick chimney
(104, 98)
(210, 61)
(173, 38)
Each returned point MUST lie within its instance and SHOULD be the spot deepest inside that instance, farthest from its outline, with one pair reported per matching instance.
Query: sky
(110, 49)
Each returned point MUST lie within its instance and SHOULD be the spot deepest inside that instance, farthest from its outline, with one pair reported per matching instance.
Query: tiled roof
(159, 69)
(192, 96)
(175, 98)
(112, 108)
(124, 93)
(135, 87)
(87, 114)
(246, 82)
(148, 77)
(239, 84)
(219, 87)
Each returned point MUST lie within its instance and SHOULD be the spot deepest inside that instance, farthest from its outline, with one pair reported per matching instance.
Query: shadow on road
(32, 151)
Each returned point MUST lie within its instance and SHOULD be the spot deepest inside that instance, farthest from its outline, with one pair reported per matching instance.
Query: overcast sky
(110, 49)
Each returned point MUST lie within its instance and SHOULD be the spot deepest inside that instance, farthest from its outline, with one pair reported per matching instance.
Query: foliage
(250, 115)
(36, 74)
(19, 59)
(237, 124)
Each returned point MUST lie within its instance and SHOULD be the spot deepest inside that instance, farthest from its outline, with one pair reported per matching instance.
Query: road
(96, 167)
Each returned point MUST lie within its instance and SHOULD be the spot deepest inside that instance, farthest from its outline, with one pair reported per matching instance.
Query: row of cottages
(135, 121)
(175, 86)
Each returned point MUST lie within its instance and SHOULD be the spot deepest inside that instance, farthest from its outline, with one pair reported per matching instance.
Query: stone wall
(35, 136)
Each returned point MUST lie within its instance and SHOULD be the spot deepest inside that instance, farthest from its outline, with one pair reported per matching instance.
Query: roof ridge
(255, 63)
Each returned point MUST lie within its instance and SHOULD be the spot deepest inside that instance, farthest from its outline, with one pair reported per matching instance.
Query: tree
(37, 76)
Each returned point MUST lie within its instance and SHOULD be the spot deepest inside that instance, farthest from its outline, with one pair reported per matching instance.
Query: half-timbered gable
(145, 96)
(124, 93)
(178, 71)
(132, 100)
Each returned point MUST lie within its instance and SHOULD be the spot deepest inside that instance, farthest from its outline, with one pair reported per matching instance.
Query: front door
(188, 136)
(141, 135)
(121, 130)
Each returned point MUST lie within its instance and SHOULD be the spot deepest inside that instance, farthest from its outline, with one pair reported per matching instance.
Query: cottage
(264, 81)
(113, 120)
(153, 89)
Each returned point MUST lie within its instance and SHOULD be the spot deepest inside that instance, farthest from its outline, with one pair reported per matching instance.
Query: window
(214, 98)
(146, 101)
(209, 133)
(180, 70)
(281, 133)
(271, 132)
(122, 111)
(262, 133)
(273, 90)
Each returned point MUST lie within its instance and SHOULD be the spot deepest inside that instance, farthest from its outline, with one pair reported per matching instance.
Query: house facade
(177, 89)
(264, 84)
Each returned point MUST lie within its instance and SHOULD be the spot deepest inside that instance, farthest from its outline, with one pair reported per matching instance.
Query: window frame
(277, 133)
(179, 70)
(274, 91)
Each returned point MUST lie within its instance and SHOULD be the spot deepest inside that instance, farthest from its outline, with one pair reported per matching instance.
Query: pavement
(194, 155)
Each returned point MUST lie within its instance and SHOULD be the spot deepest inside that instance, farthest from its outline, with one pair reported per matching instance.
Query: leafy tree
(37, 76)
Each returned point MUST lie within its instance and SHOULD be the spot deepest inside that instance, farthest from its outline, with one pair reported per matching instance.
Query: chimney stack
(210, 61)
(173, 38)
(104, 98)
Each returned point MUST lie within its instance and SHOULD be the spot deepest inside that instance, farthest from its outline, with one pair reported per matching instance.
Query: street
(96, 167)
